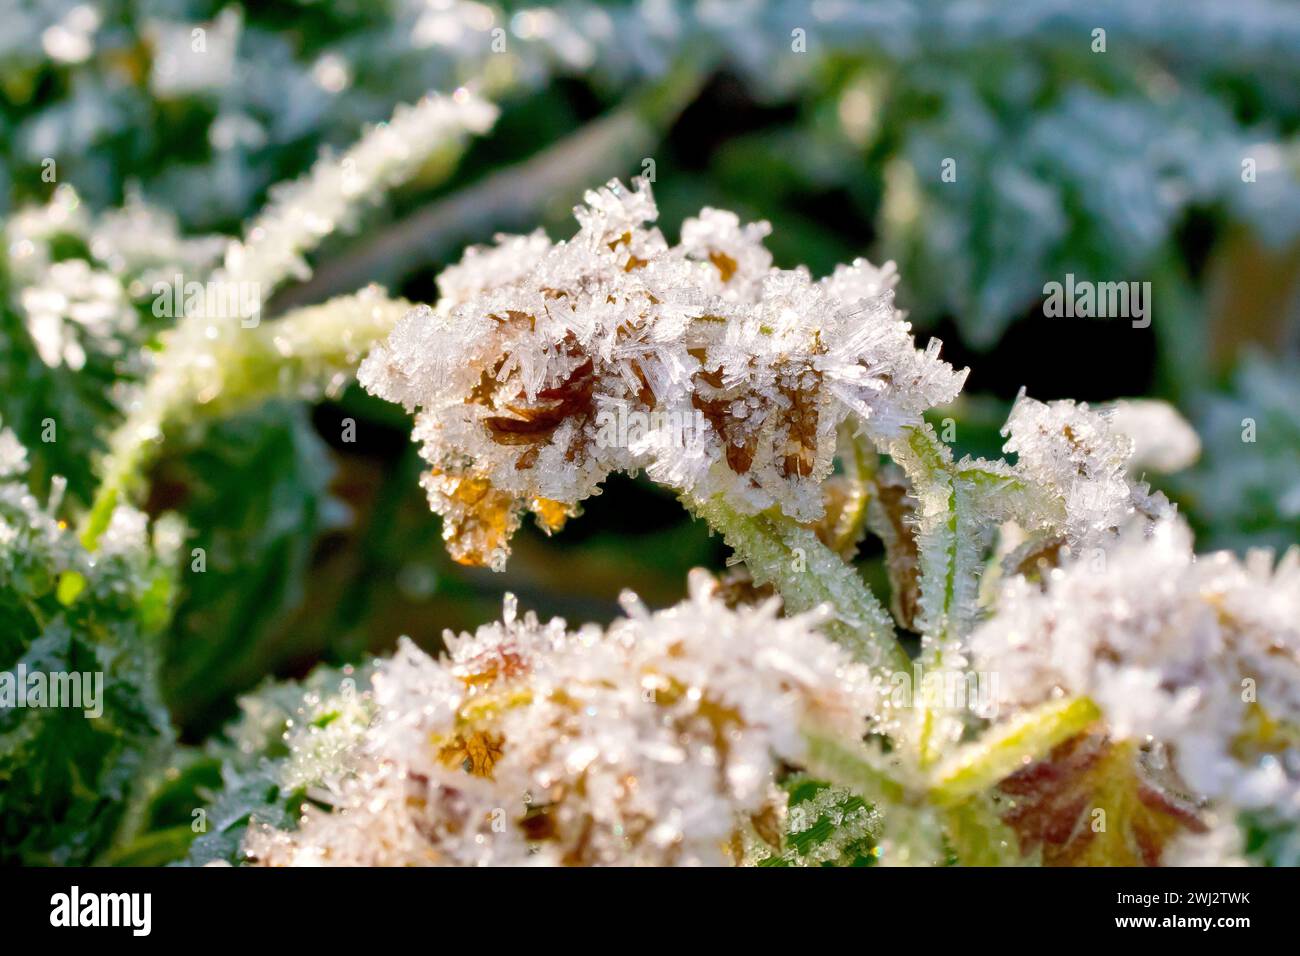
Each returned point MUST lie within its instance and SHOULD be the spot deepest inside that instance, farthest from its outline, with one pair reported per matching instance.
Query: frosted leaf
(34, 536)
(73, 308)
(654, 742)
(1201, 653)
(78, 308)
(546, 367)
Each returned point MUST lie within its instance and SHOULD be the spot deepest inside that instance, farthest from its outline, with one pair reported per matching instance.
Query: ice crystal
(545, 367)
(1201, 653)
(305, 210)
(654, 742)
(1077, 461)
(831, 826)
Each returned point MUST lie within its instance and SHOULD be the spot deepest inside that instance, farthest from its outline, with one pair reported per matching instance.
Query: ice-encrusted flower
(546, 367)
(1077, 463)
(655, 742)
(1199, 653)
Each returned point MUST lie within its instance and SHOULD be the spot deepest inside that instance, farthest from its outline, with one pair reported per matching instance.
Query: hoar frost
(657, 741)
(547, 366)
(1199, 653)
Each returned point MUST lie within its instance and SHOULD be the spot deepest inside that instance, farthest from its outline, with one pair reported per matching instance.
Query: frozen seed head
(1201, 653)
(654, 742)
(547, 366)
(1077, 461)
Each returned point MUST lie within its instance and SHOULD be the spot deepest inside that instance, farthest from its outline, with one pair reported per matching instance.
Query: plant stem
(1008, 747)
(306, 353)
(808, 574)
(514, 197)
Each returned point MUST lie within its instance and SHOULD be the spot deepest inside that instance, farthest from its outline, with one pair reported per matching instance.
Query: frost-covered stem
(306, 353)
(309, 352)
(955, 508)
(514, 197)
(928, 464)
(781, 552)
(301, 213)
(859, 459)
(192, 367)
(1002, 751)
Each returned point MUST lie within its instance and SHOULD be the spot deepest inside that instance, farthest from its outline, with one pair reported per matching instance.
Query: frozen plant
(656, 742)
(1131, 678)
(534, 349)
(780, 717)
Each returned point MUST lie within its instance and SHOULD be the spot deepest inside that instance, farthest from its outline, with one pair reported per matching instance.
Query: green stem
(808, 574)
(309, 352)
(958, 506)
(1008, 747)
(829, 759)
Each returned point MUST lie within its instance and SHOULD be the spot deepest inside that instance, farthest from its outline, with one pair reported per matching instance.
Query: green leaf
(260, 781)
(827, 826)
(71, 777)
(808, 574)
(256, 494)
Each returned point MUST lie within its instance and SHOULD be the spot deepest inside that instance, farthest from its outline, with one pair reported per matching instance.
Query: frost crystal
(1200, 653)
(302, 212)
(1077, 460)
(655, 742)
(546, 367)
